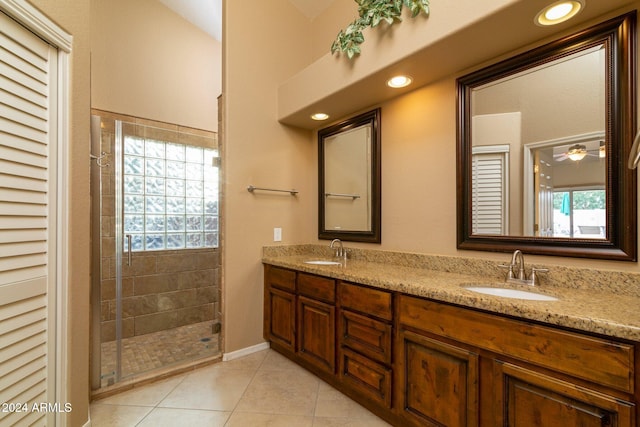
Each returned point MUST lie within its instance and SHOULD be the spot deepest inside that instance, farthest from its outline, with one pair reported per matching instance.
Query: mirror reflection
(543, 138)
(538, 150)
(349, 179)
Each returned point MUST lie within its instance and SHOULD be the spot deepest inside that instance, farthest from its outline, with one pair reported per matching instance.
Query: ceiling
(207, 14)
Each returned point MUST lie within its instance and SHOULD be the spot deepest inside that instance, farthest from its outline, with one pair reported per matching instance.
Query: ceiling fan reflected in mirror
(577, 152)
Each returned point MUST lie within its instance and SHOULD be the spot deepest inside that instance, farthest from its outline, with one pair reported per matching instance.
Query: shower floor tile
(158, 350)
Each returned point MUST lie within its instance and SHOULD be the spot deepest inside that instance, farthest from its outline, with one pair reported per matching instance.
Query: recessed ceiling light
(558, 12)
(399, 81)
(319, 116)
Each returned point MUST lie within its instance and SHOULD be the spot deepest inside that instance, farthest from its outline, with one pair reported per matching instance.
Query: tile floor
(144, 353)
(262, 389)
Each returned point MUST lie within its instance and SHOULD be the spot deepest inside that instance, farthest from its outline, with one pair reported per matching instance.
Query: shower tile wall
(161, 289)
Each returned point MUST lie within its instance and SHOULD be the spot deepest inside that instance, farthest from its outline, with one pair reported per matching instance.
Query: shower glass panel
(157, 298)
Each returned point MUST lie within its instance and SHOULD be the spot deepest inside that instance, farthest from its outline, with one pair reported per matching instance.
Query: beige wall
(72, 15)
(263, 44)
(148, 62)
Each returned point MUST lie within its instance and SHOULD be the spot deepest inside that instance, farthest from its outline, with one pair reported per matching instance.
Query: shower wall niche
(159, 280)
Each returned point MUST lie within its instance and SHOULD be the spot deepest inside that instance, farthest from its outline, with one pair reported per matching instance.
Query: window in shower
(170, 195)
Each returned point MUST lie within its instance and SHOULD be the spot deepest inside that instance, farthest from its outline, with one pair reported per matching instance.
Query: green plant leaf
(370, 14)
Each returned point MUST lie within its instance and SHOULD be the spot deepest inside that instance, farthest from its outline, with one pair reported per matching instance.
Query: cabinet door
(437, 382)
(280, 318)
(317, 333)
(532, 399)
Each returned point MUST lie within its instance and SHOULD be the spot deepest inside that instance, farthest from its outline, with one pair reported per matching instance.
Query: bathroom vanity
(417, 348)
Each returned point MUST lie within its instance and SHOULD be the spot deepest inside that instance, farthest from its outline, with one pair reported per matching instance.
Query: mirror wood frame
(619, 37)
(374, 235)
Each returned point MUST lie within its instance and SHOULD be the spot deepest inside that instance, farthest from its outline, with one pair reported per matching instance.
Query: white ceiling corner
(204, 14)
(207, 14)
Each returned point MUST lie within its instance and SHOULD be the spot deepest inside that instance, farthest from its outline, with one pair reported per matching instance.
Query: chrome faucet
(518, 257)
(516, 272)
(339, 252)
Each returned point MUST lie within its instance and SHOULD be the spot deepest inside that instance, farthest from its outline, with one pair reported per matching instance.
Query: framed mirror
(542, 143)
(349, 179)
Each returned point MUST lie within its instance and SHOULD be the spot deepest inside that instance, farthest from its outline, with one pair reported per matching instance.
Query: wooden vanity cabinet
(364, 341)
(418, 362)
(316, 321)
(461, 367)
(279, 325)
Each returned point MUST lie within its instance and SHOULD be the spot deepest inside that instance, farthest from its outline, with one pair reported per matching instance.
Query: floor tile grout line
(253, 377)
(162, 399)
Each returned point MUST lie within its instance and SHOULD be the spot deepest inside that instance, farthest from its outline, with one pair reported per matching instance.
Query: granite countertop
(589, 310)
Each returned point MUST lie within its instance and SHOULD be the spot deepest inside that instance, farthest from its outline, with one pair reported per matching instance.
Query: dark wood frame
(374, 235)
(619, 36)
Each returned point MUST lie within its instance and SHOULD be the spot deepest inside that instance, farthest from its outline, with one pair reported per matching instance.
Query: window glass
(170, 195)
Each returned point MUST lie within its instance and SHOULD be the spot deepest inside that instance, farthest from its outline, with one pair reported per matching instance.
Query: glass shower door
(160, 266)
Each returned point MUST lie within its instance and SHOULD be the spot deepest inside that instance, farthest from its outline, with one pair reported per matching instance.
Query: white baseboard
(245, 351)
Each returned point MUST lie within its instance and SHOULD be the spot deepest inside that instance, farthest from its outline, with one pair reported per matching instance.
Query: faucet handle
(508, 267)
(534, 276)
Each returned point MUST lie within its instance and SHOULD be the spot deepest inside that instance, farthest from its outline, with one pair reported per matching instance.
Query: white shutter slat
(28, 368)
(31, 385)
(23, 36)
(27, 118)
(15, 363)
(9, 311)
(23, 209)
(18, 143)
(23, 157)
(22, 183)
(29, 197)
(9, 167)
(488, 193)
(22, 131)
(10, 47)
(25, 261)
(17, 344)
(20, 78)
(19, 236)
(21, 249)
(21, 106)
(23, 275)
(8, 86)
(17, 223)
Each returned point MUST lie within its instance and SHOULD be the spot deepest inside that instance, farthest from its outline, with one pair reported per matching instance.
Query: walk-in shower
(156, 257)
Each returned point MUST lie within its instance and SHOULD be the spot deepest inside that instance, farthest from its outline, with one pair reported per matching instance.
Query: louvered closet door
(488, 194)
(27, 224)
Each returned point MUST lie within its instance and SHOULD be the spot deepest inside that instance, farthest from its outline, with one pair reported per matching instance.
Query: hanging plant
(372, 12)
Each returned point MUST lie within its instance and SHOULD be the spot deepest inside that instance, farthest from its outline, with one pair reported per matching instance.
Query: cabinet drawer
(316, 287)
(367, 336)
(365, 300)
(280, 278)
(366, 376)
(594, 359)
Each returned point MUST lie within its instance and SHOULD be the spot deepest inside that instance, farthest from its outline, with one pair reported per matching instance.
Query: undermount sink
(321, 262)
(510, 293)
